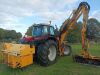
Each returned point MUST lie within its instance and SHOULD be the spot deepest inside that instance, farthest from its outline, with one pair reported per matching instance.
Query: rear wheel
(47, 53)
(67, 50)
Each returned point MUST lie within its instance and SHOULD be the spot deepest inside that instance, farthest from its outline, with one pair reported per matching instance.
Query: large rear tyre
(47, 53)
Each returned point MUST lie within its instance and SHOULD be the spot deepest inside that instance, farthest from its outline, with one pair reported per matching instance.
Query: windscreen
(39, 31)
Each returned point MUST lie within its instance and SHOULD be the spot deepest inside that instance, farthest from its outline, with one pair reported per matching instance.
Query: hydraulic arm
(85, 56)
(83, 8)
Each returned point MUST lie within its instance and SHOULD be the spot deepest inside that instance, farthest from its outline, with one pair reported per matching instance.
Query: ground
(64, 66)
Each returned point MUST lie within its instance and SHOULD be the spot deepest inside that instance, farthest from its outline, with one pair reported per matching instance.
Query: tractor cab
(41, 30)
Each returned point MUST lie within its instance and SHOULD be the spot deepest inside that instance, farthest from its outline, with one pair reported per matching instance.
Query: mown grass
(64, 66)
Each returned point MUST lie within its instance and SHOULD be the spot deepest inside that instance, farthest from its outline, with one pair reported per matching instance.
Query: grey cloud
(11, 11)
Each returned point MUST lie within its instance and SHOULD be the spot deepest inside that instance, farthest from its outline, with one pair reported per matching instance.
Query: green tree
(2, 33)
(9, 35)
(75, 34)
(19, 35)
(29, 30)
(93, 28)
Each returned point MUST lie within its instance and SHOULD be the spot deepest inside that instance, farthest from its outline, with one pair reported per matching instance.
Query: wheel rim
(52, 53)
(66, 50)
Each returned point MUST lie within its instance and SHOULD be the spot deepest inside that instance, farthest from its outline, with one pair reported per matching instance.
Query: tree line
(9, 35)
(74, 35)
(93, 31)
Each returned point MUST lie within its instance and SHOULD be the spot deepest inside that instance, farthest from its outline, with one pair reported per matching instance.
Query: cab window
(45, 30)
(51, 31)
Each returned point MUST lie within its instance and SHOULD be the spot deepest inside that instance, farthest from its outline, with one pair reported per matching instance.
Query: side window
(45, 30)
(51, 30)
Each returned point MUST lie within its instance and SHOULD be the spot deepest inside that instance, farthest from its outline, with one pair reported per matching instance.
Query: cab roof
(42, 24)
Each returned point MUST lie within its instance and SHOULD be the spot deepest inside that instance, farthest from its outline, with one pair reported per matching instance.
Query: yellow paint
(18, 55)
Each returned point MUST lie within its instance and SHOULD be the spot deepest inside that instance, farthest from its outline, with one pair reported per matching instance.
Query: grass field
(64, 66)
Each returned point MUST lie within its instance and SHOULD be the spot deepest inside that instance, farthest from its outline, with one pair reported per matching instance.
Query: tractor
(47, 43)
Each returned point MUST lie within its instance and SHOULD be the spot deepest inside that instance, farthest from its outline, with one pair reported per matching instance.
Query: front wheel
(47, 53)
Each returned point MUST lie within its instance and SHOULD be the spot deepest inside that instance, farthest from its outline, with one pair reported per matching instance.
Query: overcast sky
(20, 14)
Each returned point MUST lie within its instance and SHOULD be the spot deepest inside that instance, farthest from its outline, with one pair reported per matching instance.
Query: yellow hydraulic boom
(68, 24)
(85, 56)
